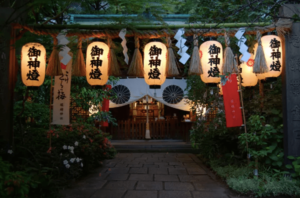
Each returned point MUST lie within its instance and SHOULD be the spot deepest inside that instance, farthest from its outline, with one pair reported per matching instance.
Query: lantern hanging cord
(258, 38)
(79, 44)
(136, 42)
(169, 42)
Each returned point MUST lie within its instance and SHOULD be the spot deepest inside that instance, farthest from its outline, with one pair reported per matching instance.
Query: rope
(258, 37)
(227, 40)
(282, 26)
(136, 42)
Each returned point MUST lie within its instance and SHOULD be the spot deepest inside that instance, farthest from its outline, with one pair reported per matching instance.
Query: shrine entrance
(164, 122)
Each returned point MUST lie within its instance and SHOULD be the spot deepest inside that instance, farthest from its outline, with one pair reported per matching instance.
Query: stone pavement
(150, 175)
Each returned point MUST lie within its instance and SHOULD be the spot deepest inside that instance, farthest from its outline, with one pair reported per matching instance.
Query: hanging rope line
(283, 26)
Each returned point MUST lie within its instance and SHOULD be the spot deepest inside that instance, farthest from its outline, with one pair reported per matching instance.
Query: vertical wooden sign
(62, 95)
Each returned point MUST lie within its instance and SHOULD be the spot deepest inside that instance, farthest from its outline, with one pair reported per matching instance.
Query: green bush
(14, 183)
(74, 151)
(264, 186)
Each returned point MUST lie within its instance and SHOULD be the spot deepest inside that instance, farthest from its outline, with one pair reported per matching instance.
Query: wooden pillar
(7, 77)
(291, 85)
(147, 135)
(261, 93)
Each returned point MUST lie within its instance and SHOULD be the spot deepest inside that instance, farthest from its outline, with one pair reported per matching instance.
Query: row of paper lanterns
(33, 63)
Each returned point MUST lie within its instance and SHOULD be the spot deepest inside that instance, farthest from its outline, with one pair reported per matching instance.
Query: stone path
(150, 175)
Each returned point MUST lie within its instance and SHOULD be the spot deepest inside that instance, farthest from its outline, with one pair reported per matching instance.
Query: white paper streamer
(125, 49)
(241, 43)
(62, 40)
(182, 48)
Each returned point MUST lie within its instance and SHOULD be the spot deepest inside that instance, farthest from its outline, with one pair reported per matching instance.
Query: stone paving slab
(202, 194)
(120, 185)
(166, 178)
(163, 171)
(179, 186)
(141, 194)
(108, 194)
(177, 171)
(149, 175)
(138, 170)
(117, 176)
(141, 177)
(175, 194)
(149, 185)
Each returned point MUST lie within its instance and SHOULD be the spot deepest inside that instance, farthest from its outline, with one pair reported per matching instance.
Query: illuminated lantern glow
(237, 78)
(97, 63)
(33, 64)
(220, 89)
(248, 78)
(272, 46)
(155, 64)
(211, 57)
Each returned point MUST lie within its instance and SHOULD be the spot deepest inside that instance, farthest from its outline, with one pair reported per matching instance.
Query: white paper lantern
(97, 63)
(272, 47)
(248, 78)
(211, 57)
(33, 64)
(155, 61)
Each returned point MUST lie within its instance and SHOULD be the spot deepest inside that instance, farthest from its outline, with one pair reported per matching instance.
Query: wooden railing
(170, 129)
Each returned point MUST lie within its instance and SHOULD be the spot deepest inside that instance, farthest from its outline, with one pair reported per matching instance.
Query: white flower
(81, 164)
(71, 147)
(67, 165)
(78, 159)
(72, 160)
(72, 151)
(76, 143)
(83, 137)
(65, 162)
(10, 152)
(65, 147)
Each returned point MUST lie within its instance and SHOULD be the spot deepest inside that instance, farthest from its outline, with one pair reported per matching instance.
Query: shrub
(74, 150)
(14, 183)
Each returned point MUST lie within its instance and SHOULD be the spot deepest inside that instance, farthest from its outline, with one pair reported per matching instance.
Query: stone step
(153, 146)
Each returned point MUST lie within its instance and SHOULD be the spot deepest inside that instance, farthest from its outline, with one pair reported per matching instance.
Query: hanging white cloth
(138, 89)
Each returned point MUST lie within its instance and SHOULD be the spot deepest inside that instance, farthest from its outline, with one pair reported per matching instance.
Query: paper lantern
(155, 64)
(97, 63)
(211, 55)
(248, 78)
(33, 64)
(272, 47)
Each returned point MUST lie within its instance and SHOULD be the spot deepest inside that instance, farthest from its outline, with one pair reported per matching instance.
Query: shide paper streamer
(241, 43)
(182, 48)
(62, 40)
(125, 49)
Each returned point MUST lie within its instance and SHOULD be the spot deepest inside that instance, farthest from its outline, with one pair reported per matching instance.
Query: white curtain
(138, 89)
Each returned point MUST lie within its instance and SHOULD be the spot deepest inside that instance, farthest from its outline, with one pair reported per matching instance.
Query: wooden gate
(170, 129)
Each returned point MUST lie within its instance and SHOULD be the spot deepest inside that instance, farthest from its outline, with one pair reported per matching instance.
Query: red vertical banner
(105, 106)
(231, 100)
